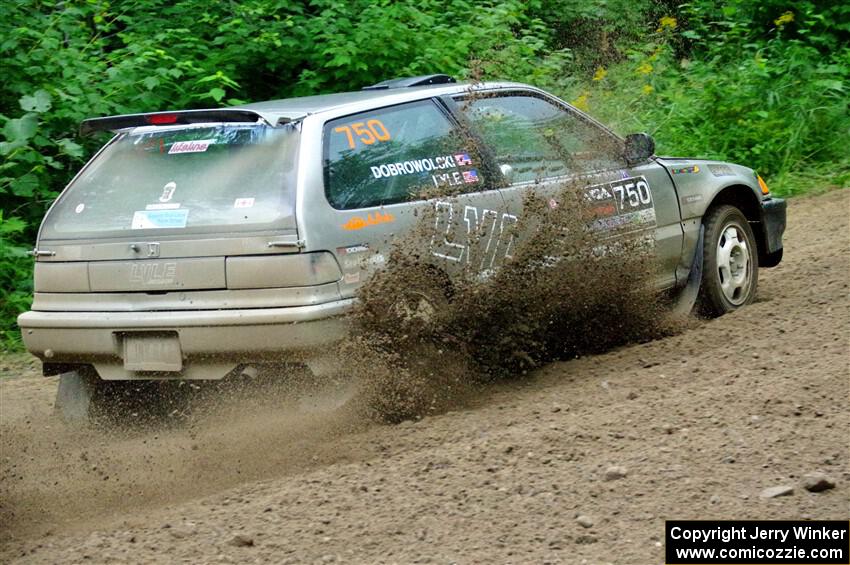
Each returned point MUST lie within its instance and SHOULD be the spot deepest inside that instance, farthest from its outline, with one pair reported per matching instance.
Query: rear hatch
(176, 208)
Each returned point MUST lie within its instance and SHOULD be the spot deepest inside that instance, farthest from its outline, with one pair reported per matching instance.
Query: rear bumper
(222, 337)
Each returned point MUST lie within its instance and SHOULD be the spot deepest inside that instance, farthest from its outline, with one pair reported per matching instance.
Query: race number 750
(633, 194)
(367, 132)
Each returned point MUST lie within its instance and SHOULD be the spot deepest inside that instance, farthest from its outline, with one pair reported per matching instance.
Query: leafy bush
(755, 83)
(15, 268)
(64, 62)
(763, 83)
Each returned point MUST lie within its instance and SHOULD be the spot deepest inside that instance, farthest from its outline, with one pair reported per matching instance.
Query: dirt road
(692, 426)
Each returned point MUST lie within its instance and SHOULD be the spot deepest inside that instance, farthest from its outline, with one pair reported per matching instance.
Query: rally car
(198, 242)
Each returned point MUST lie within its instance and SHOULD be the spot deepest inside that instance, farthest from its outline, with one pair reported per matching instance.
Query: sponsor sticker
(153, 273)
(196, 146)
(692, 199)
(243, 203)
(721, 170)
(165, 206)
(352, 249)
(352, 278)
(151, 144)
(168, 191)
(624, 204)
(359, 222)
(159, 219)
(80, 207)
(693, 169)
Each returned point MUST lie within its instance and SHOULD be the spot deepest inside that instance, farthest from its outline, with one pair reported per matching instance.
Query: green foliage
(64, 62)
(15, 278)
(763, 83)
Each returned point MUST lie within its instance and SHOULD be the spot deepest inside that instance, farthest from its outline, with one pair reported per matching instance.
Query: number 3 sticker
(367, 132)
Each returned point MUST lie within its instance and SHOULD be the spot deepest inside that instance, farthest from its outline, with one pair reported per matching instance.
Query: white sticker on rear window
(159, 219)
(166, 206)
(196, 146)
(168, 191)
(243, 203)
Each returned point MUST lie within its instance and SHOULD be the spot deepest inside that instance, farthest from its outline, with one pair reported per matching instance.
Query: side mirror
(639, 148)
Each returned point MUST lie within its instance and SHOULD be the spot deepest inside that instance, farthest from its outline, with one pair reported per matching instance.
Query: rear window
(396, 154)
(183, 180)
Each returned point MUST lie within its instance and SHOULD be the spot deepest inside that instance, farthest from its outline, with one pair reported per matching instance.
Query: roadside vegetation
(764, 83)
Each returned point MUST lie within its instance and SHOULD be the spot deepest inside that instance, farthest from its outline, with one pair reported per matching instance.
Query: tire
(730, 262)
(406, 301)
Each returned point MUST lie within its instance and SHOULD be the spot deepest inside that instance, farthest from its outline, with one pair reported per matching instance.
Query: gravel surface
(743, 417)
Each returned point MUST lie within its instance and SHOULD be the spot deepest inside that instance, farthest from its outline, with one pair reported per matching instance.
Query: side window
(538, 139)
(396, 154)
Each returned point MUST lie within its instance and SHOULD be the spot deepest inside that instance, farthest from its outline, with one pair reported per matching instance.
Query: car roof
(297, 108)
(275, 112)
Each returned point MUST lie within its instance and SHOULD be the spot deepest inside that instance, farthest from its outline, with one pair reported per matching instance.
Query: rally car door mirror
(639, 148)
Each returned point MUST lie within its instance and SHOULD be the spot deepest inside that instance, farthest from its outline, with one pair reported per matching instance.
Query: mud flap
(687, 298)
(330, 389)
(75, 396)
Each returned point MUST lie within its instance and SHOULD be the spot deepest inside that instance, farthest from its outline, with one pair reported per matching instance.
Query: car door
(401, 176)
(541, 145)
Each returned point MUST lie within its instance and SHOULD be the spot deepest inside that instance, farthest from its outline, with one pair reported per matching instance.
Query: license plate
(152, 352)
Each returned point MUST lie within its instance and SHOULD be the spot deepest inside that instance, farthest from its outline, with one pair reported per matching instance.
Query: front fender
(701, 184)
(699, 181)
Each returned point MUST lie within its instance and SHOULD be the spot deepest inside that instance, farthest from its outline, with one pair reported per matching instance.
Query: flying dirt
(424, 338)
(573, 460)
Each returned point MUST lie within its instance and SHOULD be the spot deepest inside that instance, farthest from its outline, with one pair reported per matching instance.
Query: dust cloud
(52, 474)
(425, 340)
(422, 341)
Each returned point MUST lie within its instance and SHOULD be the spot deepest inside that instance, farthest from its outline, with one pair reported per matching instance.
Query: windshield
(183, 180)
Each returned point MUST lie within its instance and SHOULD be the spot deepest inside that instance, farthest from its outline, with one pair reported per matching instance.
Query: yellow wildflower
(600, 73)
(648, 89)
(581, 102)
(667, 22)
(785, 18)
(645, 68)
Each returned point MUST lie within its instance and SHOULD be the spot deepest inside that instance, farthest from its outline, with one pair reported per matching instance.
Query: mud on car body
(196, 242)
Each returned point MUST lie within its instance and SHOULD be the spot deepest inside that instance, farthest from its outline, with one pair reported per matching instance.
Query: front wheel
(730, 260)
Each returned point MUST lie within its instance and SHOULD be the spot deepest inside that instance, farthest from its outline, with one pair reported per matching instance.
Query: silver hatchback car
(195, 242)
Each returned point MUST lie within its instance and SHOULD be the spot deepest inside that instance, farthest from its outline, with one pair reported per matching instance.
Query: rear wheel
(406, 302)
(730, 259)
